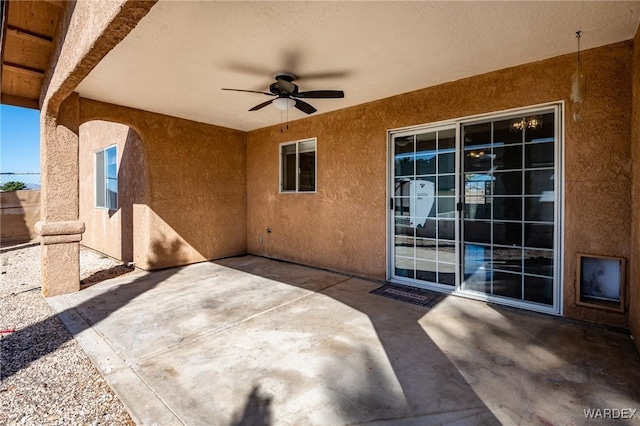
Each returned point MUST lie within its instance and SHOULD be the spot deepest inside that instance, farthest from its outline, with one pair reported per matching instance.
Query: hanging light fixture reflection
(577, 83)
(533, 122)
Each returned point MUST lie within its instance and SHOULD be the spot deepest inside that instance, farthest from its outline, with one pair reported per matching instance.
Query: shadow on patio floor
(28, 344)
(252, 339)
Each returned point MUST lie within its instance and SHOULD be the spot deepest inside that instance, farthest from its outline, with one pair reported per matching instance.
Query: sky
(19, 139)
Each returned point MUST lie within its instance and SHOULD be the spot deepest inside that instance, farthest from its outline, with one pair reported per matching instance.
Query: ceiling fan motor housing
(283, 84)
(280, 91)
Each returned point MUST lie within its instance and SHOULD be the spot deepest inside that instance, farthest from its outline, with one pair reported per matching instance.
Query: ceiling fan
(286, 94)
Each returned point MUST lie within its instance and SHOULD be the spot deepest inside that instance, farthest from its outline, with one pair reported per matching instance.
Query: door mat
(415, 296)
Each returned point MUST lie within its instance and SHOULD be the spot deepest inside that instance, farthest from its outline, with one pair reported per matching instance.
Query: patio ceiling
(182, 53)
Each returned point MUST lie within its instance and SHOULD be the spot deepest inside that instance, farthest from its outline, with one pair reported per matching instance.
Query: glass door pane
(508, 224)
(424, 190)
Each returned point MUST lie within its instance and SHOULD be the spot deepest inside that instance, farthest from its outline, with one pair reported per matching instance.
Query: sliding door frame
(391, 212)
(559, 199)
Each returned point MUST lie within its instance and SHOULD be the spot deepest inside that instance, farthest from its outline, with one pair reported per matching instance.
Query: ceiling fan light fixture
(284, 104)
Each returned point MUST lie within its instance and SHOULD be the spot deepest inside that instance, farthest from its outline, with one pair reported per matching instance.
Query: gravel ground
(46, 377)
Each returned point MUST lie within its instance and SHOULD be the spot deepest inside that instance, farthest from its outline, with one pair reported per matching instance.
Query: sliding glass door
(424, 187)
(509, 208)
(475, 208)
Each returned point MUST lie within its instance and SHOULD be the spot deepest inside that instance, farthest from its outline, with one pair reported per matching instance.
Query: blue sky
(19, 139)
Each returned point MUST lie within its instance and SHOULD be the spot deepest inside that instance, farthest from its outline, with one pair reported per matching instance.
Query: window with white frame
(298, 166)
(107, 178)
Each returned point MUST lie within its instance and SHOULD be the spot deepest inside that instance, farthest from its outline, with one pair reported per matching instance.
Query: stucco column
(60, 229)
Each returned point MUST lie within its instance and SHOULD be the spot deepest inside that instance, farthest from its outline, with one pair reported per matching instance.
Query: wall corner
(634, 284)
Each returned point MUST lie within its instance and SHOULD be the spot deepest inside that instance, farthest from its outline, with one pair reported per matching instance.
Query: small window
(107, 178)
(298, 166)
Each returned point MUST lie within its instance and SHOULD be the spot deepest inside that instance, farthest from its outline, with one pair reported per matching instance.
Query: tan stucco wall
(20, 210)
(112, 232)
(634, 302)
(342, 227)
(195, 206)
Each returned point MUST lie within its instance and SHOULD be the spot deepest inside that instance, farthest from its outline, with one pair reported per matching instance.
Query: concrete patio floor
(254, 341)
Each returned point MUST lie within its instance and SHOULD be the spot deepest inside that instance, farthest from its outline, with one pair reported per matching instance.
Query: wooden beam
(3, 34)
(23, 69)
(28, 35)
(19, 101)
(59, 3)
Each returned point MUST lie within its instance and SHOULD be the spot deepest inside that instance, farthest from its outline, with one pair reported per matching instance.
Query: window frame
(297, 154)
(104, 178)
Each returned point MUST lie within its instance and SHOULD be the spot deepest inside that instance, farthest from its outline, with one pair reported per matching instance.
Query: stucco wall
(195, 207)
(112, 232)
(20, 210)
(342, 227)
(634, 302)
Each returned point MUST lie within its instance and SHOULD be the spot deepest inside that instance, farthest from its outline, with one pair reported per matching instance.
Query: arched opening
(113, 189)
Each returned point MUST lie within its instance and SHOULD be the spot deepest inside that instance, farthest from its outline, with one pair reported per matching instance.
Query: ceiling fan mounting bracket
(286, 76)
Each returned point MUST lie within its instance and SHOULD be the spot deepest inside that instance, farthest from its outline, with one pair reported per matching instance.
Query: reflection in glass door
(509, 208)
(424, 186)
